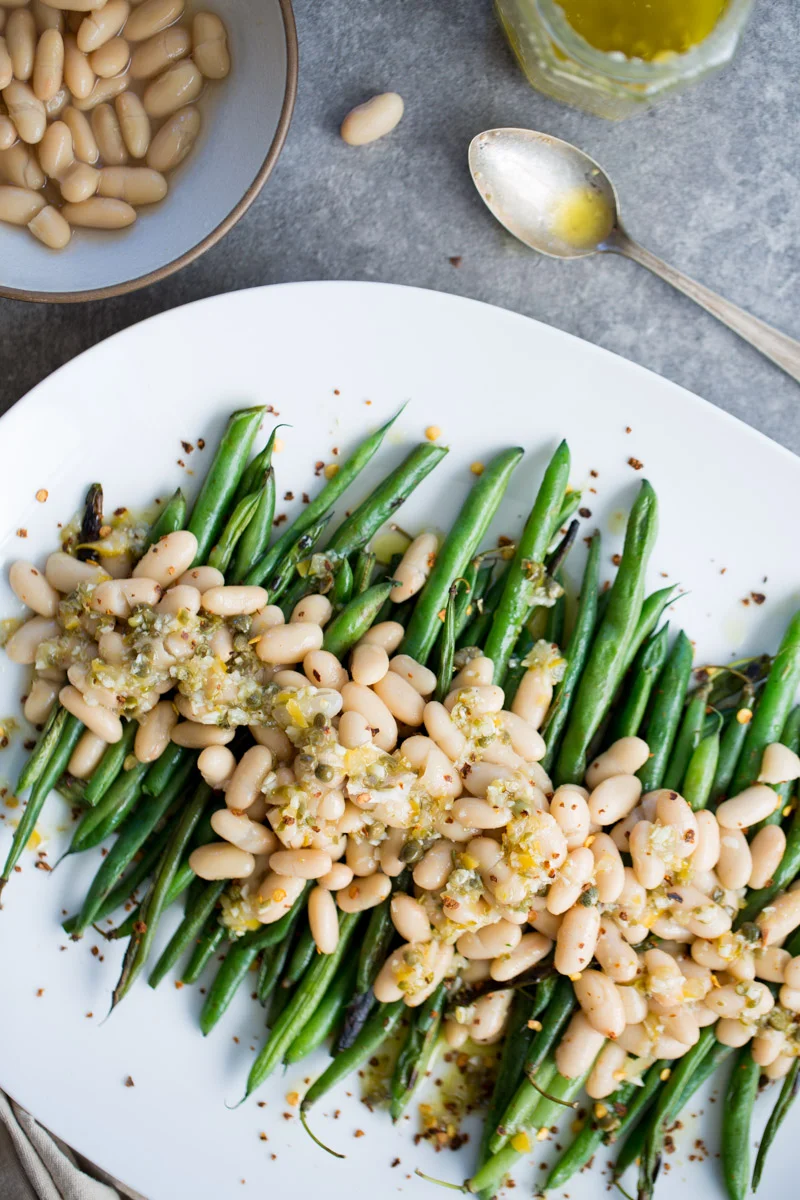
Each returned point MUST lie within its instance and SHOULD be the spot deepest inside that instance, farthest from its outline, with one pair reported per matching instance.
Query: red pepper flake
(140, 927)
(22, 533)
(262, 1104)
(201, 443)
(395, 1162)
(42, 866)
(273, 1157)
(120, 512)
(504, 541)
(745, 602)
(359, 1133)
(272, 409)
(180, 462)
(628, 429)
(287, 1116)
(616, 559)
(263, 1137)
(306, 497)
(319, 467)
(236, 1040)
(89, 1016)
(757, 597)
(455, 260)
(129, 1081)
(335, 450)
(40, 991)
(593, 473)
(42, 495)
(585, 513)
(336, 392)
(95, 950)
(636, 463)
(179, 984)
(368, 402)
(187, 447)
(279, 520)
(289, 496)
(722, 570)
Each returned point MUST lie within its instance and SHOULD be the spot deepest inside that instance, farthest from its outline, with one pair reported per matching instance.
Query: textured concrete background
(709, 181)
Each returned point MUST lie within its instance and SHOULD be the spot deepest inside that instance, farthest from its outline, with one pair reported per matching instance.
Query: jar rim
(715, 49)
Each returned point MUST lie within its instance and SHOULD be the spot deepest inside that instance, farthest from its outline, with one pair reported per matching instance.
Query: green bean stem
(222, 480)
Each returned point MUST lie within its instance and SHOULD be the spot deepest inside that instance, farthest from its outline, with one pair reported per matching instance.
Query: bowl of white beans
(133, 135)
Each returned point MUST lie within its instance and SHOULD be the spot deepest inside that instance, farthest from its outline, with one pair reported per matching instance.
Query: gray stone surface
(709, 180)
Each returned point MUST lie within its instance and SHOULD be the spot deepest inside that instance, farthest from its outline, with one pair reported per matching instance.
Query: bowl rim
(227, 223)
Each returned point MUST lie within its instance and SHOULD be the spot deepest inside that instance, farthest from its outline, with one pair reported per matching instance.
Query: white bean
(478, 672)
(532, 948)
(21, 647)
(324, 669)
(248, 778)
(489, 1016)
(577, 939)
(179, 85)
(433, 869)
(484, 699)
(634, 1004)
(314, 608)
(99, 720)
(168, 558)
(533, 696)
(454, 1034)
(151, 17)
(607, 1071)
(422, 679)
(180, 598)
(735, 860)
(766, 849)
(234, 601)
(84, 144)
(501, 937)
(672, 809)
(388, 634)
(372, 120)
(277, 895)
(442, 729)
(78, 74)
(283, 645)
(196, 737)
(304, 863)
(402, 700)
(369, 705)
(525, 740)
(48, 67)
(697, 913)
(578, 1048)
(160, 51)
(364, 893)
(153, 734)
(174, 140)
(338, 877)
(210, 45)
(750, 806)
(706, 854)
(619, 960)
(368, 664)
(220, 860)
(623, 757)
(665, 978)
(409, 918)
(39, 701)
(21, 42)
(216, 764)
(100, 26)
(362, 857)
(31, 587)
(649, 867)
(771, 964)
(779, 918)
(779, 764)
(415, 565)
(767, 1046)
(614, 798)
(323, 920)
(609, 871)
(575, 873)
(134, 125)
(26, 110)
(86, 755)
(601, 1002)
(354, 730)
(570, 809)
(244, 833)
(791, 971)
(275, 740)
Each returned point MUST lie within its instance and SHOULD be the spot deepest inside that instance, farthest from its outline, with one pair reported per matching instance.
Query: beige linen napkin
(34, 1165)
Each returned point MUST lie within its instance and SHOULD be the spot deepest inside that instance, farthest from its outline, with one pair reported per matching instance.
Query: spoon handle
(783, 350)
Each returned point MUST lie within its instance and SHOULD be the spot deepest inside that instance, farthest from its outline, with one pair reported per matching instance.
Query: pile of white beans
(358, 774)
(98, 104)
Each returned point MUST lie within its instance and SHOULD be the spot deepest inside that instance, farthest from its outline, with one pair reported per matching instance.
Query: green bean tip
(313, 1136)
(456, 1187)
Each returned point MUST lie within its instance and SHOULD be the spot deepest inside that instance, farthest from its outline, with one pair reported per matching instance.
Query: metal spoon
(557, 200)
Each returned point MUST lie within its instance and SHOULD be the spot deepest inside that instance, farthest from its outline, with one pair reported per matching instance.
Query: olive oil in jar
(645, 29)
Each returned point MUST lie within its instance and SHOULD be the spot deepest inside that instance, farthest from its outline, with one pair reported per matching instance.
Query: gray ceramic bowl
(245, 121)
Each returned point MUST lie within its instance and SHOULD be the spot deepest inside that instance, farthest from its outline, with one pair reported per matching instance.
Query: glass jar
(561, 63)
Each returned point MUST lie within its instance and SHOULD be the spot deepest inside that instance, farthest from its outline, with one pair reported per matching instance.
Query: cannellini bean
(575, 873)
(454, 1034)
(179, 85)
(389, 851)
(234, 601)
(634, 1005)
(445, 733)
(151, 17)
(48, 67)
(55, 150)
(248, 778)
(492, 940)
(338, 877)
(168, 558)
(216, 764)
(26, 110)
(21, 647)
(665, 978)
(21, 41)
(371, 707)
(86, 755)
(111, 59)
(134, 125)
(354, 730)
(578, 1048)
(372, 120)
(479, 814)
(771, 964)
(19, 164)
(789, 997)
(568, 806)
(479, 777)
(266, 618)
(84, 144)
(368, 664)
(274, 740)
(6, 65)
(478, 672)
(276, 895)
(30, 586)
(220, 860)
(766, 1047)
(635, 1039)
(99, 720)
(525, 740)
(485, 699)
(409, 918)
(323, 920)
(614, 798)
(750, 806)
(100, 26)
(779, 918)
(203, 579)
(577, 939)
(362, 857)
(160, 51)
(791, 971)
(181, 598)
(706, 854)
(697, 913)
(79, 183)
(779, 764)
(779, 1067)
(210, 45)
(314, 608)
(609, 871)
(196, 737)
(422, 679)
(607, 1071)
(364, 893)
(532, 948)
(324, 669)
(415, 566)
(623, 757)
(672, 810)
(433, 869)
(153, 734)
(622, 830)
(305, 864)
(533, 697)
(78, 74)
(733, 1032)
(650, 869)
(490, 1013)
(766, 849)
(39, 701)
(174, 140)
(8, 130)
(286, 644)
(600, 1001)
(245, 834)
(682, 1025)
(388, 634)
(735, 860)
(619, 960)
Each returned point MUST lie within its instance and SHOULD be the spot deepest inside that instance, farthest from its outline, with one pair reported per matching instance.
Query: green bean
(181, 881)
(447, 646)
(388, 611)
(790, 737)
(590, 1137)
(171, 518)
(380, 1026)
(48, 740)
(686, 739)
(320, 505)
(362, 571)
(195, 919)
(222, 480)
(417, 1049)
(559, 556)
(256, 534)
(254, 472)
(737, 1116)
(275, 959)
(784, 1102)
(469, 600)
(309, 992)
(576, 654)
(476, 631)
(155, 901)
(285, 571)
(98, 823)
(302, 955)
(699, 777)
(135, 833)
(110, 765)
(667, 1107)
(651, 658)
(381, 504)
(633, 1128)
(204, 951)
(665, 712)
(527, 574)
(613, 639)
(342, 590)
(326, 1015)
(164, 769)
(556, 619)
(730, 747)
(353, 621)
(773, 708)
(571, 503)
(56, 764)
(560, 1092)
(652, 611)
(460, 545)
(222, 552)
(123, 890)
